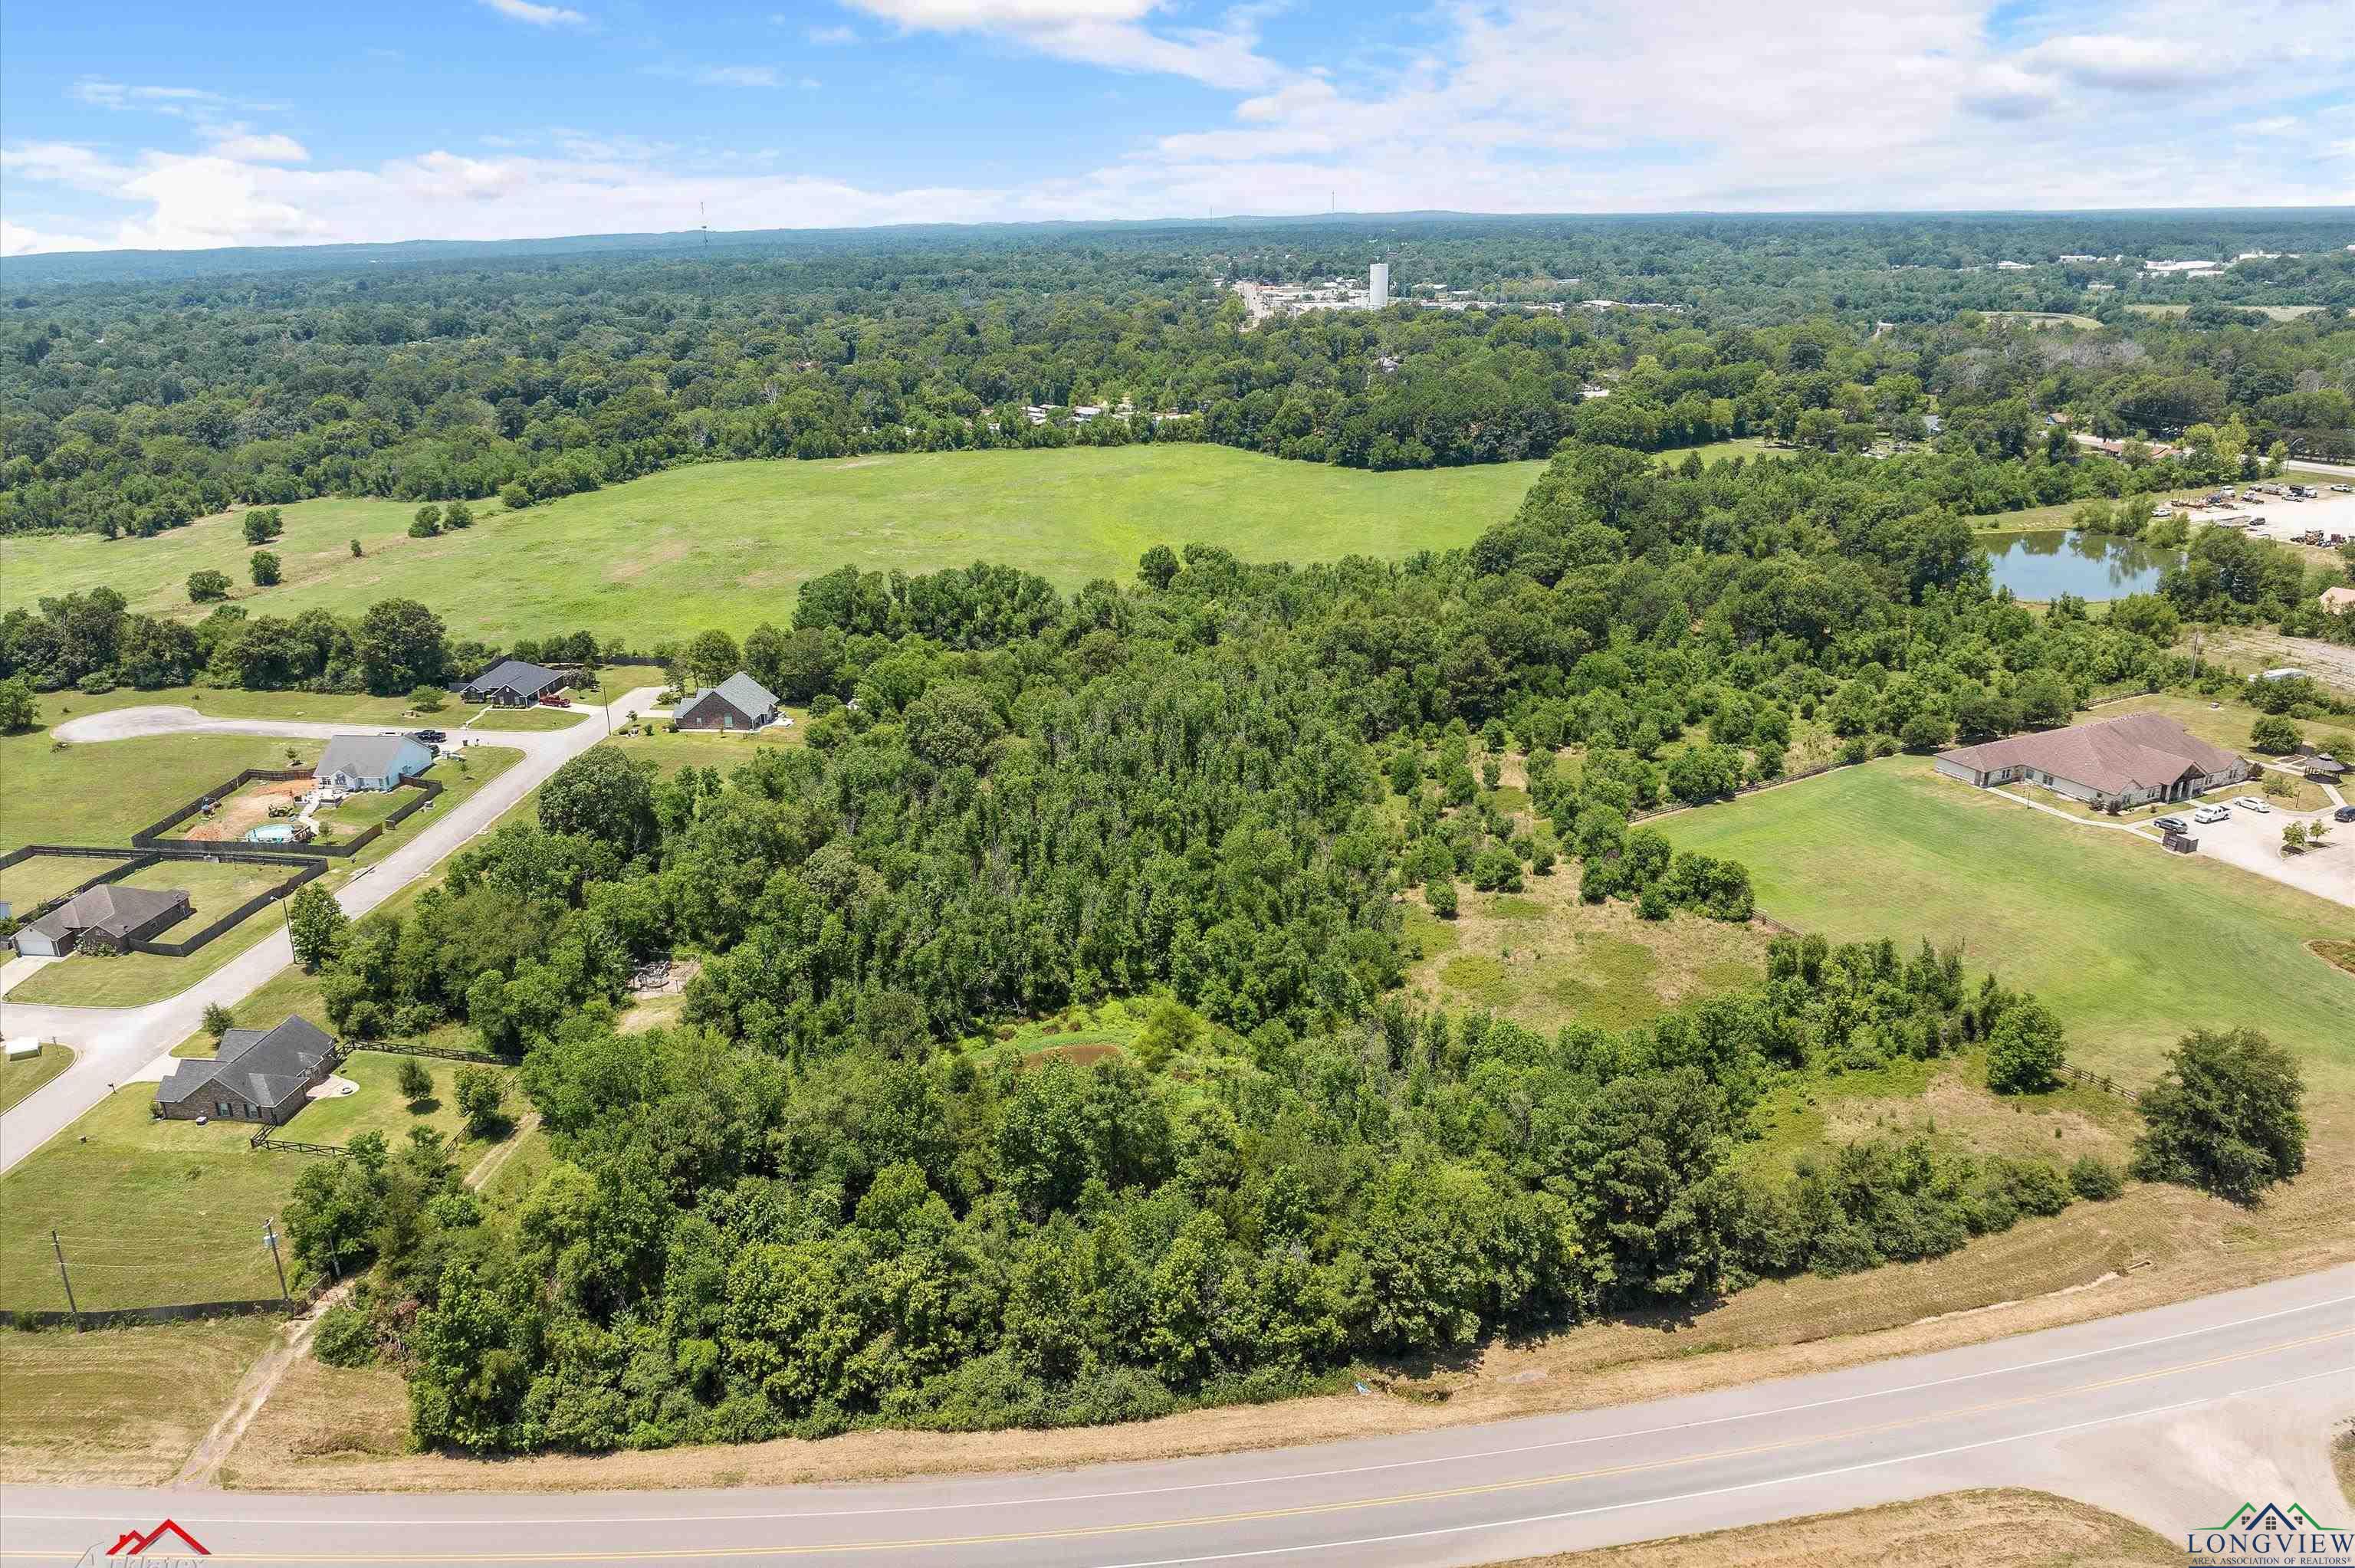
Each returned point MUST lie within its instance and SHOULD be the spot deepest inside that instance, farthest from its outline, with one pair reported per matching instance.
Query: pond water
(2048, 563)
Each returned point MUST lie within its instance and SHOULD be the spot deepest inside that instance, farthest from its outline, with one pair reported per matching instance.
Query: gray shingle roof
(515, 674)
(264, 1067)
(109, 910)
(372, 756)
(2137, 751)
(740, 691)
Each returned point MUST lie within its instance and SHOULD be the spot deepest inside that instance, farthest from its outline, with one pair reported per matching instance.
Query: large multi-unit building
(1378, 286)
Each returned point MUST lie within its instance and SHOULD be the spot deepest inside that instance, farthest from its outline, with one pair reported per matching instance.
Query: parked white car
(2210, 814)
(2250, 803)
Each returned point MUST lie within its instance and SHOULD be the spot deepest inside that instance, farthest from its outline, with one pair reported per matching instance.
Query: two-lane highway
(2018, 1412)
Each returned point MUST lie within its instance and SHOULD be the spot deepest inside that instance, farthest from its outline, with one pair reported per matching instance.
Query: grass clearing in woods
(728, 543)
(1543, 959)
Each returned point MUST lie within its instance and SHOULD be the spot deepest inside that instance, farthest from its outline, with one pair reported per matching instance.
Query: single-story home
(107, 913)
(371, 761)
(2338, 601)
(2109, 764)
(259, 1074)
(739, 702)
(514, 684)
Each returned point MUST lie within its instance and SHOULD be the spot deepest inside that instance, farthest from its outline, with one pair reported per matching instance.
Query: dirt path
(202, 1470)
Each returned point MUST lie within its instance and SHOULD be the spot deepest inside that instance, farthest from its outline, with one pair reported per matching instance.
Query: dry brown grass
(1994, 1529)
(118, 1406)
(2152, 1246)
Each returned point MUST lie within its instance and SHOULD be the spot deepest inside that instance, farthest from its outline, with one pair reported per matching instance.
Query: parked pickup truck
(556, 700)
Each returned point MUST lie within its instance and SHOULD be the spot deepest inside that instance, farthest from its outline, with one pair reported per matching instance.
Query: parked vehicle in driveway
(2168, 824)
(2250, 803)
(2344, 814)
(556, 700)
(2210, 814)
(432, 737)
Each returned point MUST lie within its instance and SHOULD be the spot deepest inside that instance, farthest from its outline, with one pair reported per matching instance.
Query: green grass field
(148, 1211)
(727, 543)
(19, 1080)
(2131, 946)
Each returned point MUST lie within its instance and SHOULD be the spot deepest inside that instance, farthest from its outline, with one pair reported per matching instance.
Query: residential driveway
(2253, 841)
(122, 1045)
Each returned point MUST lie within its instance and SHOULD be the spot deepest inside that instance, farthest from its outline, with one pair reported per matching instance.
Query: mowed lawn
(148, 1211)
(2130, 945)
(728, 545)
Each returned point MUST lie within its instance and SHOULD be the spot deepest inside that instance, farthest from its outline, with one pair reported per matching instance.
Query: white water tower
(1378, 285)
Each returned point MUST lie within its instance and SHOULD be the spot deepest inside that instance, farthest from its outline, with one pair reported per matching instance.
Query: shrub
(264, 567)
(2275, 733)
(416, 1080)
(2227, 1119)
(2024, 1049)
(207, 585)
(218, 1019)
(262, 524)
(482, 1097)
(428, 699)
(357, 551)
(346, 1338)
(97, 683)
(2096, 1178)
(1439, 893)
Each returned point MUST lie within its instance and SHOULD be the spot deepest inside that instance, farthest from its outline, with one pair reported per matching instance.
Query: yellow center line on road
(1303, 1510)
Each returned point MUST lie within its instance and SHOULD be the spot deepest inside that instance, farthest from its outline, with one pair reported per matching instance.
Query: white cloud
(21, 239)
(1112, 33)
(830, 37)
(537, 15)
(100, 93)
(269, 147)
(1506, 106)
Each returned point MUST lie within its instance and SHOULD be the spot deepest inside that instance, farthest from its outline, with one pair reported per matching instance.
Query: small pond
(2048, 563)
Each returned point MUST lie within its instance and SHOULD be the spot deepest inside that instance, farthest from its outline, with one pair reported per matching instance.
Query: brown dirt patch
(1993, 1529)
(2339, 954)
(641, 562)
(2163, 1244)
(246, 808)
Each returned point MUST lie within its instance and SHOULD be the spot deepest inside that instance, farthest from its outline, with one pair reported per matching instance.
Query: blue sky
(172, 126)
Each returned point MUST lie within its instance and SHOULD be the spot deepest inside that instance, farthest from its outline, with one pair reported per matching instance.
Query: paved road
(2175, 1416)
(116, 1044)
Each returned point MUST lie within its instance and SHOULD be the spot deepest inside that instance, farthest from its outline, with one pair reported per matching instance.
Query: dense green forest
(137, 404)
(828, 1196)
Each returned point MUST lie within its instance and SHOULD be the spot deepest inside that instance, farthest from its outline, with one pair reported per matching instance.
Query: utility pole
(71, 1305)
(269, 1239)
